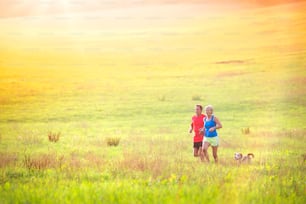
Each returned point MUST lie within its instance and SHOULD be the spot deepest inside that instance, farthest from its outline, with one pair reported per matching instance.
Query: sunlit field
(74, 81)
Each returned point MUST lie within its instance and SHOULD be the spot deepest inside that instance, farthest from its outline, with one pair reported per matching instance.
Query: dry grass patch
(112, 141)
(162, 98)
(7, 159)
(231, 62)
(153, 164)
(94, 160)
(245, 131)
(54, 137)
(196, 98)
(44, 161)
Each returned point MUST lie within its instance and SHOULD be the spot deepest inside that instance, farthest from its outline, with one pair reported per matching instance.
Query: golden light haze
(140, 35)
(9, 8)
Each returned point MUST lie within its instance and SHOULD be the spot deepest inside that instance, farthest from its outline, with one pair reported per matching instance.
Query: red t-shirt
(197, 123)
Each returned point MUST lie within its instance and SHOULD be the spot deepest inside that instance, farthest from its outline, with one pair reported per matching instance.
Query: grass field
(137, 76)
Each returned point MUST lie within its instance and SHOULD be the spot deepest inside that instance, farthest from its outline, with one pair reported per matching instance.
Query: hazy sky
(121, 35)
(12, 8)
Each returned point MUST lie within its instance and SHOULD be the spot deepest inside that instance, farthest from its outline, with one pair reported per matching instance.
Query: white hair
(209, 106)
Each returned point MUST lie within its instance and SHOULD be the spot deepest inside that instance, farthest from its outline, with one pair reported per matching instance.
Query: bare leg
(196, 152)
(205, 153)
(200, 151)
(202, 154)
(215, 153)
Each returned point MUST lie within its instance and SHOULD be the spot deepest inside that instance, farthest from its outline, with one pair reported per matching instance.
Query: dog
(242, 159)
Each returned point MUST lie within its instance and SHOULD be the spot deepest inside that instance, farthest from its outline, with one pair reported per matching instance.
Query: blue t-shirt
(209, 124)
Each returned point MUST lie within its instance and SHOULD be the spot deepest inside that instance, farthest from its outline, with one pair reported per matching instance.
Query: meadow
(140, 84)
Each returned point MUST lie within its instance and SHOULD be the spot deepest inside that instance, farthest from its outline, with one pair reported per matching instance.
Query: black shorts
(197, 145)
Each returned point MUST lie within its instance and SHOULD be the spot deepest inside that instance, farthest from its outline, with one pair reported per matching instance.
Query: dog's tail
(251, 155)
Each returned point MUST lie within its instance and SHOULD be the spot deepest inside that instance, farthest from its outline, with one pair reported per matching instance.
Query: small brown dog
(241, 159)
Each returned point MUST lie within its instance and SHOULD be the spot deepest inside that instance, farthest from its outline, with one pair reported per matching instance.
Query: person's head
(209, 110)
(198, 109)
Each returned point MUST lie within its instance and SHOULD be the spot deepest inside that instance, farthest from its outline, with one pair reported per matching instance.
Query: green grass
(150, 110)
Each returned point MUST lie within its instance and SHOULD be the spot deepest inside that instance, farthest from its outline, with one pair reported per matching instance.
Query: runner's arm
(218, 123)
(191, 128)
